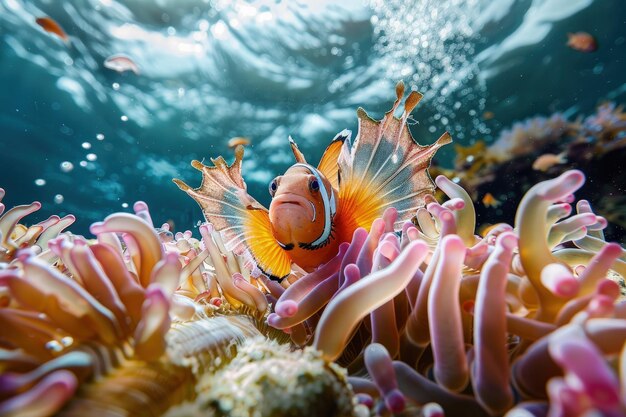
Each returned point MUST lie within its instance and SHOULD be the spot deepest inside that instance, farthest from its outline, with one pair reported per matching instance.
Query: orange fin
(385, 167)
(271, 259)
(296, 151)
(328, 164)
(242, 220)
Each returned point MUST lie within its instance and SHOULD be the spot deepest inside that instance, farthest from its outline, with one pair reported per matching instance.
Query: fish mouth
(294, 199)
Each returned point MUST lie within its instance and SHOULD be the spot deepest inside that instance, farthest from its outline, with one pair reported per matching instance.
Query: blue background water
(212, 70)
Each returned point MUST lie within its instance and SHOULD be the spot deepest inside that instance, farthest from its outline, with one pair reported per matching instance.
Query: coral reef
(540, 148)
(526, 320)
(527, 136)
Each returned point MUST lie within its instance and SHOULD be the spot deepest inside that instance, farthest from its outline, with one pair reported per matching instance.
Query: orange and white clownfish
(314, 209)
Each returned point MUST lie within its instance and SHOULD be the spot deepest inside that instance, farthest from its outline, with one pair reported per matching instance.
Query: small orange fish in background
(49, 25)
(488, 115)
(121, 63)
(582, 41)
(315, 208)
(239, 140)
(490, 201)
(548, 160)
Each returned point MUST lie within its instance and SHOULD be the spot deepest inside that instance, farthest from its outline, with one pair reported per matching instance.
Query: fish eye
(273, 186)
(314, 185)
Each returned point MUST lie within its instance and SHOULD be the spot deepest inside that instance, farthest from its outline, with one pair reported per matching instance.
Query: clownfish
(315, 208)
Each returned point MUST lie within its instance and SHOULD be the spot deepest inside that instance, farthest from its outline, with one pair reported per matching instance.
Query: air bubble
(66, 166)
(437, 54)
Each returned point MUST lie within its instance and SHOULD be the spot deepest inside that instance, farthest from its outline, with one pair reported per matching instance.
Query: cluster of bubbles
(66, 167)
(434, 43)
(58, 198)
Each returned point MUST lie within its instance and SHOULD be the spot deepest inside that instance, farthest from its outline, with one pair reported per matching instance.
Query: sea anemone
(139, 322)
(14, 235)
(527, 320)
(464, 325)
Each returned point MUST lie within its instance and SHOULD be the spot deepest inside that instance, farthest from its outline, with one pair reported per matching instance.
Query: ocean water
(89, 141)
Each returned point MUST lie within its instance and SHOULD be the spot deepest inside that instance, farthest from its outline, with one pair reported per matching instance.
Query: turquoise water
(89, 141)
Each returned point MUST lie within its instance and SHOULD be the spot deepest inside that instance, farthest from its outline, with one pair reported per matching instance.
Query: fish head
(302, 208)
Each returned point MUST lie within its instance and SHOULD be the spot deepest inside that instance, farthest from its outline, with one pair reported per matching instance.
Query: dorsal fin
(384, 167)
(296, 152)
(329, 164)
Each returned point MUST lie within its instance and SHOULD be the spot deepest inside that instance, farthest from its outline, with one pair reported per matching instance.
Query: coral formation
(540, 148)
(525, 137)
